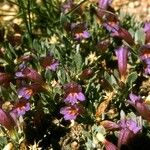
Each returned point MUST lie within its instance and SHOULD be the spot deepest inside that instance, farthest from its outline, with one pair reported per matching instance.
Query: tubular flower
(122, 54)
(79, 31)
(124, 35)
(29, 73)
(109, 125)
(6, 120)
(70, 112)
(49, 62)
(119, 32)
(140, 106)
(28, 91)
(21, 107)
(129, 129)
(147, 32)
(145, 57)
(25, 92)
(73, 93)
(108, 145)
(103, 4)
(104, 8)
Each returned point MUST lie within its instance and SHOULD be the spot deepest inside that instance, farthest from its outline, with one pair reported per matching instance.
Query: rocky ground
(139, 8)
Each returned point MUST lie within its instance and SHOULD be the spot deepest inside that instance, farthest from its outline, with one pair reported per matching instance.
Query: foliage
(75, 58)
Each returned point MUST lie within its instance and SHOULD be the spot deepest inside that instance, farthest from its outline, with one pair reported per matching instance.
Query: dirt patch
(139, 8)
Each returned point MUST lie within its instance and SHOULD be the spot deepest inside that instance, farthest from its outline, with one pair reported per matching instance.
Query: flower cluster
(127, 129)
(141, 107)
(73, 95)
(95, 48)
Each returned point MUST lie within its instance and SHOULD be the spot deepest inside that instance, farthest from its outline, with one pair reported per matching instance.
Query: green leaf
(132, 78)
(78, 62)
(140, 36)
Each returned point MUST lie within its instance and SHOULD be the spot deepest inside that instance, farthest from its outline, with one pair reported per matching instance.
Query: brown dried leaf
(102, 107)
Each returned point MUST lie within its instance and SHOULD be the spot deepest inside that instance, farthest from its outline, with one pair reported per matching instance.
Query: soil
(139, 8)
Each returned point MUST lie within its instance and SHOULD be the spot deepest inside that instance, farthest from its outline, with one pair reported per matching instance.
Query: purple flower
(112, 27)
(73, 93)
(68, 5)
(138, 103)
(145, 57)
(122, 54)
(70, 112)
(28, 91)
(109, 145)
(79, 31)
(105, 11)
(21, 107)
(109, 125)
(124, 35)
(130, 124)
(6, 120)
(29, 73)
(25, 92)
(116, 31)
(49, 62)
(144, 52)
(147, 26)
(82, 35)
(147, 32)
(103, 4)
(129, 129)
(147, 66)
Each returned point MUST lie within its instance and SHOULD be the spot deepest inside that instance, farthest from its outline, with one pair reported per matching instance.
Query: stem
(26, 16)
(76, 7)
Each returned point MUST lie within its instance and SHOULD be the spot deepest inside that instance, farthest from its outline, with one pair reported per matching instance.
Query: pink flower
(122, 54)
(138, 103)
(49, 62)
(118, 32)
(145, 57)
(103, 4)
(79, 31)
(70, 112)
(21, 107)
(109, 145)
(129, 129)
(73, 93)
(147, 32)
(29, 73)
(29, 90)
